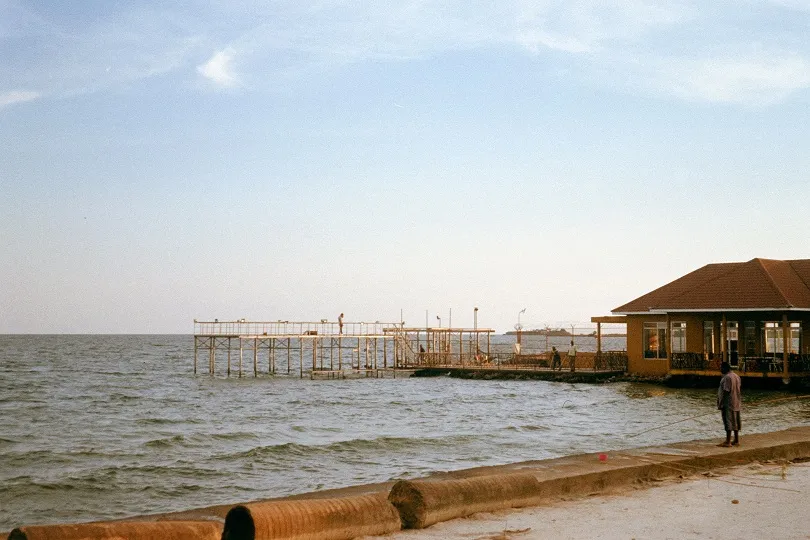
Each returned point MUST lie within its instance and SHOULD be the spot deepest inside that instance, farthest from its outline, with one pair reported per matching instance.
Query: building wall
(636, 363)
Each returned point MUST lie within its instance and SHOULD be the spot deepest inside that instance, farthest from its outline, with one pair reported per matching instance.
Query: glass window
(654, 336)
(774, 342)
(708, 338)
(795, 337)
(679, 337)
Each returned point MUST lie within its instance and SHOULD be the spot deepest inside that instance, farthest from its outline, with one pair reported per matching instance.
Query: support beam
(785, 347)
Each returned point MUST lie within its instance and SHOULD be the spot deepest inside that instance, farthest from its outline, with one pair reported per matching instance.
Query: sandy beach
(758, 500)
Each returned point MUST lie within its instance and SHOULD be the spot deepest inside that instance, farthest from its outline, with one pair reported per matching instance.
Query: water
(98, 427)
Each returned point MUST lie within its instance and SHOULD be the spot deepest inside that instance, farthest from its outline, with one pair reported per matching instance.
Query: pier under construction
(331, 349)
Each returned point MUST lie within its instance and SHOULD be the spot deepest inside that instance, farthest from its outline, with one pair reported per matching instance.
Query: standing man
(572, 356)
(556, 362)
(729, 402)
(340, 323)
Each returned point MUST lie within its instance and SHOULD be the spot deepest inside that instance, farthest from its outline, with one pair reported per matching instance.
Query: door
(733, 341)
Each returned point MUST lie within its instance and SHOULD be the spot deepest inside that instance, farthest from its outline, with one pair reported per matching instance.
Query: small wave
(320, 429)
(43, 457)
(235, 436)
(531, 427)
(165, 443)
(123, 397)
(164, 421)
(354, 446)
(527, 427)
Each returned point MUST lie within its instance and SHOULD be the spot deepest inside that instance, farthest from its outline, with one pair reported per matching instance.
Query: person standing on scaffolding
(572, 356)
(340, 323)
(556, 362)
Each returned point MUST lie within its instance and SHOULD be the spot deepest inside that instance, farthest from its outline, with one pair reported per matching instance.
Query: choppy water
(96, 427)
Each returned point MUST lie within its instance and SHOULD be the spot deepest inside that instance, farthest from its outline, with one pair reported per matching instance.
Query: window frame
(708, 348)
(679, 335)
(774, 344)
(660, 350)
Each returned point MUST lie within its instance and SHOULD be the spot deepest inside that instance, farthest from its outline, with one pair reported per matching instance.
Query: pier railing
(584, 361)
(773, 364)
(243, 327)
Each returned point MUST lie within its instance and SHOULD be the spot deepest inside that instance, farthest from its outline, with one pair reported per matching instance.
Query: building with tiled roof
(754, 314)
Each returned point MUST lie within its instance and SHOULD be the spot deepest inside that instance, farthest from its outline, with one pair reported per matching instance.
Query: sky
(162, 162)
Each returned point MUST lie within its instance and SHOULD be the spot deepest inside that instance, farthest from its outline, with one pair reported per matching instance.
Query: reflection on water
(643, 391)
(96, 427)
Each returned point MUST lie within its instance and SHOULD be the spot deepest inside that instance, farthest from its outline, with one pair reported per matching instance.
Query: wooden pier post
(255, 357)
(488, 349)
(229, 357)
(195, 355)
(314, 354)
(241, 350)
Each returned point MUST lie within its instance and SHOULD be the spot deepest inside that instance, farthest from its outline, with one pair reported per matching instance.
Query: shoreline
(563, 478)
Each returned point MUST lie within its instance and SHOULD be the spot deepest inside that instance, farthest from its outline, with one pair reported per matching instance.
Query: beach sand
(771, 502)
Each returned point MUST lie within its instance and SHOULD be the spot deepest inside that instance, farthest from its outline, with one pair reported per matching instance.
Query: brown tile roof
(756, 284)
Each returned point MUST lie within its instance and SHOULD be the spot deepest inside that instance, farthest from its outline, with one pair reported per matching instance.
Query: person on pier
(340, 323)
(572, 356)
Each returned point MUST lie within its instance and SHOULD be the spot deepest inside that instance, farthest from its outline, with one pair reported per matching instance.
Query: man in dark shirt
(729, 402)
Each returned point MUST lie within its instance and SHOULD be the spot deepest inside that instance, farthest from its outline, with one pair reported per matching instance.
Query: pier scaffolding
(333, 349)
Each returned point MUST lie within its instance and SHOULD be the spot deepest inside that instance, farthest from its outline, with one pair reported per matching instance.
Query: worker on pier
(572, 356)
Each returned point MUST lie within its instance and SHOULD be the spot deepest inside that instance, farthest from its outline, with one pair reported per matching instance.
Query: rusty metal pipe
(130, 530)
(313, 519)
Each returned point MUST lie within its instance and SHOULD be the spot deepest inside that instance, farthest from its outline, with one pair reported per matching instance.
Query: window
(708, 339)
(679, 337)
(774, 342)
(654, 336)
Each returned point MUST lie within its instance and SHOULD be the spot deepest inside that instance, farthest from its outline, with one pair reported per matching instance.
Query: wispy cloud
(17, 96)
(219, 69)
(761, 79)
(684, 49)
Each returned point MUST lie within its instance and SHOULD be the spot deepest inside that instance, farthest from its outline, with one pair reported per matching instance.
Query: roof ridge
(798, 275)
(770, 278)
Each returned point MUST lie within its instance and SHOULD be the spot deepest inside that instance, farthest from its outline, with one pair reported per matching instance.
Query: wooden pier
(327, 349)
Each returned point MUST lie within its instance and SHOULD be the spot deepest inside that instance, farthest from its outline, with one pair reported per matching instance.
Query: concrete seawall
(460, 493)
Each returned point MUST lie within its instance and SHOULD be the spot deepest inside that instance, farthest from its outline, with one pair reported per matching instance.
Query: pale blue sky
(292, 160)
